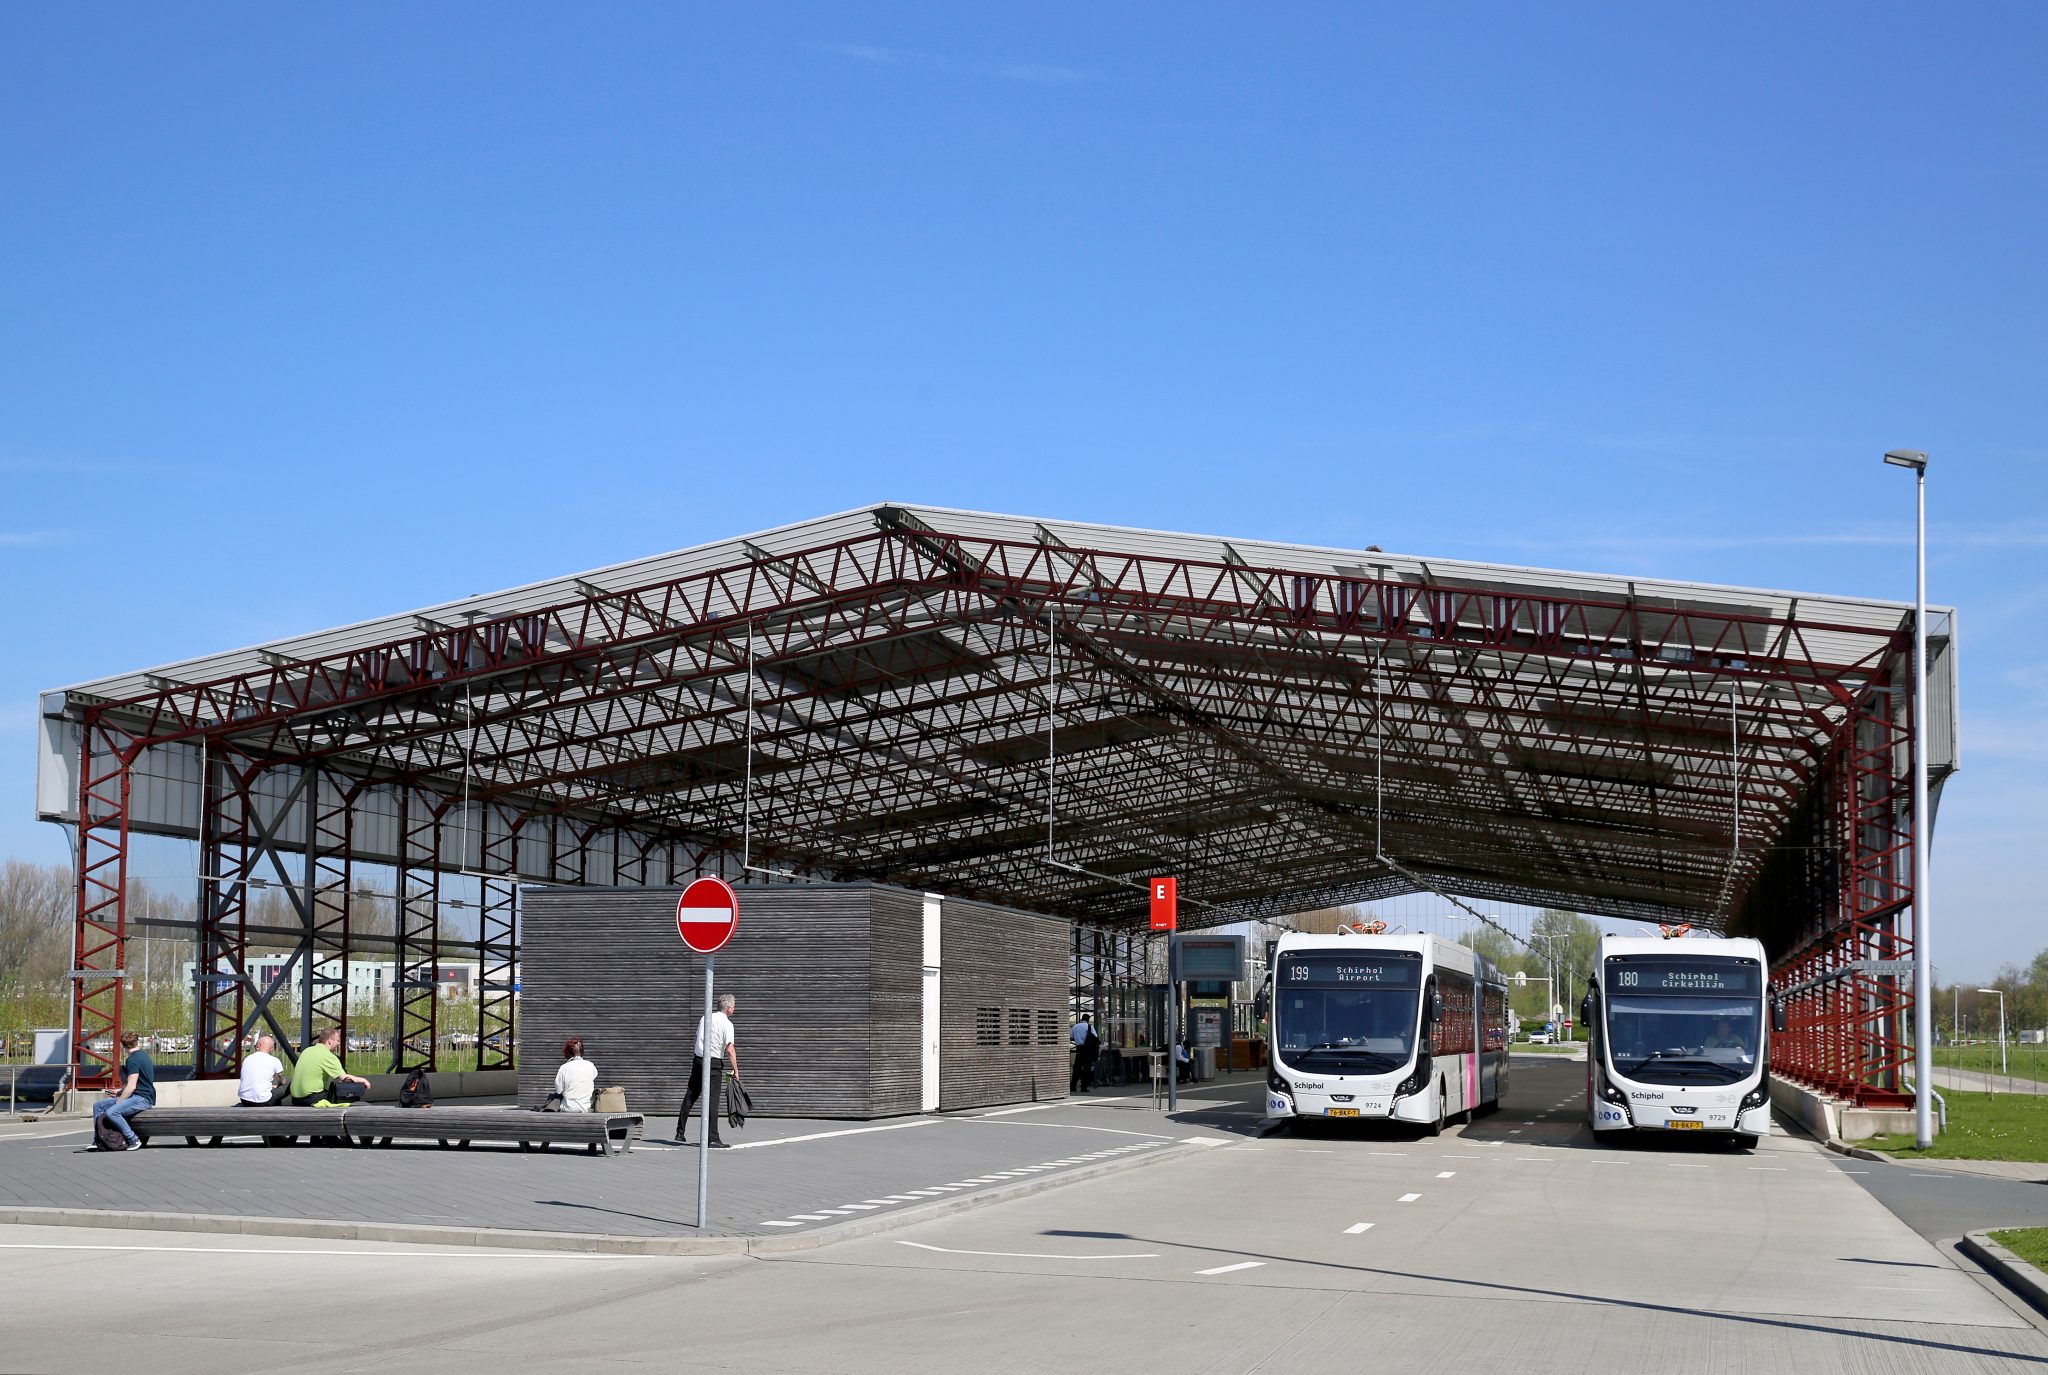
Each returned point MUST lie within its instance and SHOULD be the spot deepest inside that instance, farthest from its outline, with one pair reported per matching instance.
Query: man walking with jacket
(714, 1048)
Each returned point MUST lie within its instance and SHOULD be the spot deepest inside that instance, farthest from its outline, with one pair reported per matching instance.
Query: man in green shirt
(319, 1069)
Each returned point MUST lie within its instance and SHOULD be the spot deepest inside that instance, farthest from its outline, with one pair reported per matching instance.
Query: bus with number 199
(1407, 1028)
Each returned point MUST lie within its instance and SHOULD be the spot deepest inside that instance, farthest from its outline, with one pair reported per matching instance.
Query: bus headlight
(1756, 1097)
(1613, 1095)
(1417, 1079)
(1276, 1083)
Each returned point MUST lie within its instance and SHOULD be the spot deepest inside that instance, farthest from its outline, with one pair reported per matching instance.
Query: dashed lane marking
(1446, 1174)
(1355, 1228)
(1226, 1269)
(1410, 1198)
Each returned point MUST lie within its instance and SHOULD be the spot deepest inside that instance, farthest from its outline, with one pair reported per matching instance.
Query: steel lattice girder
(1210, 716)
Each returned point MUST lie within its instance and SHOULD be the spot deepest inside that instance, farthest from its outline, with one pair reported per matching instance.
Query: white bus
(1404, 1028)
(1680, 1038)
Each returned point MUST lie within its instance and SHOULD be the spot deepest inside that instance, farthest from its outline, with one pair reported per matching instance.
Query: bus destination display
(1732, 977)
(1351, 971)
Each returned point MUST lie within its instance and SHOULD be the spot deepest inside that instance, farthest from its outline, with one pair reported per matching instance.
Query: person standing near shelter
(1087, 1046)
(260, 1071)
(136, 1094)
(715, 1045)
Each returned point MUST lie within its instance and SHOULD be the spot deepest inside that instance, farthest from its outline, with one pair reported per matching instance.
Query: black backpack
(415, 1091)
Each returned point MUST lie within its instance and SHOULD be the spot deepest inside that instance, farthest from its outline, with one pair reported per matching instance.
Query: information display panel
(1649, 974)
(1342, 969)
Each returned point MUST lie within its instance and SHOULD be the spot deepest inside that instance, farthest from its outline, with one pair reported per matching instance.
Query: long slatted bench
(277, 1126)
(602, 1133)
(608, 1133)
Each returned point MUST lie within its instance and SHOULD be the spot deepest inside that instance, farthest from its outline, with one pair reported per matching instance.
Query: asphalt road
(1515, 1243)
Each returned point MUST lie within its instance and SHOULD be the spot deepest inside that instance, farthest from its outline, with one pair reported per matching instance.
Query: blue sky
(308, 315)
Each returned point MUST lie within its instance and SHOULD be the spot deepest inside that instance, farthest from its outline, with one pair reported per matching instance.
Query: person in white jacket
(576, 1078)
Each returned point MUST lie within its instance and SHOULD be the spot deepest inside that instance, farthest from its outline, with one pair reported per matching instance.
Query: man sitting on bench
(261, 1071)
(319, 1070)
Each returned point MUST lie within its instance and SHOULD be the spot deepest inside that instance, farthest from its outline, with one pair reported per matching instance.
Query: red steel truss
(1847, 986)
(876, 701)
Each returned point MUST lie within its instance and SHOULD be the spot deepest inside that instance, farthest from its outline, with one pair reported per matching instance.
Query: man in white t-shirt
(715, 1043)
(260, 1069)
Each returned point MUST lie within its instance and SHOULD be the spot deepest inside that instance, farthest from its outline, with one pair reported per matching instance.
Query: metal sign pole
(1172, 1034)
(704, 1126)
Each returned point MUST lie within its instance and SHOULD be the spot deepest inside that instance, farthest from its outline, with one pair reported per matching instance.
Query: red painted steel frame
(1848, 1001)
(100, 936)
(608, 712)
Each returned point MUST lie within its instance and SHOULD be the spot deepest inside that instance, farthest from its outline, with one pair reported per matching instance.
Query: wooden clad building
(856, 1000)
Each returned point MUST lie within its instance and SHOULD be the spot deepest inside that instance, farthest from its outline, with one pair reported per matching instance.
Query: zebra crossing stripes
(980, 1181)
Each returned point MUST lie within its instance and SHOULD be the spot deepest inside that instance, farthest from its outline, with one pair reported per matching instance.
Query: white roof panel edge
(1872, 613)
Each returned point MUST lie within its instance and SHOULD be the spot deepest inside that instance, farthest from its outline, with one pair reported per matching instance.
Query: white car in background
(1541, 1038)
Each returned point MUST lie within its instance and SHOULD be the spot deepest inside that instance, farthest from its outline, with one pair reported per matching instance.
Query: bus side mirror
(1777, 1015)
(1586, 1010)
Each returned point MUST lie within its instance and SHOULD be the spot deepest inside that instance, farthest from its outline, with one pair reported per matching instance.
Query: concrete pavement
(784, 1176)
(1516, 1242)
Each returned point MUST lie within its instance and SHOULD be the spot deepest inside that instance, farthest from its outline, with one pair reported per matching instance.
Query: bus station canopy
(1044, 714)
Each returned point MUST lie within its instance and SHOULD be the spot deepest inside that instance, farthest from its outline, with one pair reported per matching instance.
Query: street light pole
(1999, 994)
(1923, 987)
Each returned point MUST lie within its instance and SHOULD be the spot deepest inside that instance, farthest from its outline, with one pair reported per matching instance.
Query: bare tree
(36, 903)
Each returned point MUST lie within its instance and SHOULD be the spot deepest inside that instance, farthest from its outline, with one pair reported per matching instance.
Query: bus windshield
(1336, 1012)
(1692, 1020)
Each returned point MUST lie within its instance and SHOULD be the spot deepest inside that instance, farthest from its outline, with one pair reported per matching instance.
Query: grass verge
(2022, 1062)
(2030, 1244)
(1981, 1126)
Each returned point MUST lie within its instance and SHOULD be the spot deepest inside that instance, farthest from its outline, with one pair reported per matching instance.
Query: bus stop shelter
(1033, 713)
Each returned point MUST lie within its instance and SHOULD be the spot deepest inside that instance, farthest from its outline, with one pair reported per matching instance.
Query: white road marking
(1401, 1154)
(1679, 1165)
(1061, 1103)
(861, 1207)
(1446, 1174)
(850, 1131)
(1448, 1156)
(1226, 1269)
(1410, 1198)
(782, 1224)
(1355, 1228)
(1778, 1168)
(479, 1254)
(809, 1217)
(1032, 1255)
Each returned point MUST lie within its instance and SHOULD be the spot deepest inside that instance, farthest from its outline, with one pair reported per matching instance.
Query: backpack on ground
(415, 1092)
(106, 1135)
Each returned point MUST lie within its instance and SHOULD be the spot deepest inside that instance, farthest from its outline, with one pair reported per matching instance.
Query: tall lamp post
(1923, 984)
(1999, 994)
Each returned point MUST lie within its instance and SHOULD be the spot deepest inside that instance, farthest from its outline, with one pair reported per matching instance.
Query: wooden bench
(609, 1133)
(601, 1133)
(277, 1126)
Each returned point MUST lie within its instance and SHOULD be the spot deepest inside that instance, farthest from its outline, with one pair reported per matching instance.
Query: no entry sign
(707, 914)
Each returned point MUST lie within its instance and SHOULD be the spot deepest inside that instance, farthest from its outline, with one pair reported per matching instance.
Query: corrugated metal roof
(1254, 715)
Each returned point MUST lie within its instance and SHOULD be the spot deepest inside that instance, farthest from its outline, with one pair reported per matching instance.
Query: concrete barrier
(1831, 1119)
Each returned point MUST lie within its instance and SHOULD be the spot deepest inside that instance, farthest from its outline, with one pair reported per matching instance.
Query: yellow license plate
(1343, 1112)
(1686, 1126)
